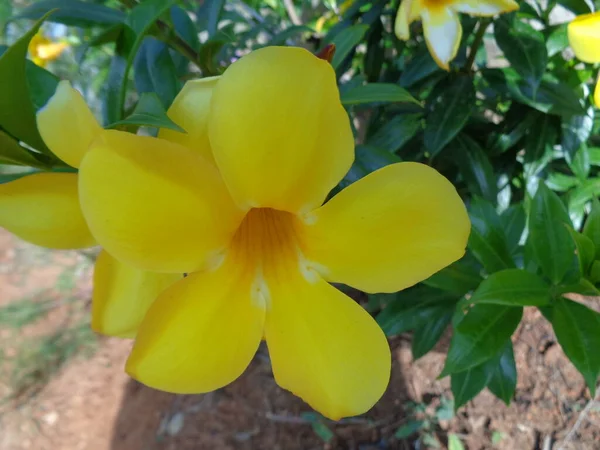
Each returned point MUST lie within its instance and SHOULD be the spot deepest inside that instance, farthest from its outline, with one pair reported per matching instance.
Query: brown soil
(91, 404)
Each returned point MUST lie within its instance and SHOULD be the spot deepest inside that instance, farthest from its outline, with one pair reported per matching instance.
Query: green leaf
(513, 222)
(322, 431)
(450, 107)
(413, 308)
(591, 229)
(480, 335)
(594, 156)
(458, 278)
(418, 68)
(395, 133)
(577, 329)
(14, 154)
(281, 37)
(454, 442)
(558, 39)
(17, 112)
(475, 167)
(112, 108)
(345, 41)
(552, 245)
(488, 240)
(576, 6)
(504, 377)
(409, 428)
(428, 334)
(560, 182)
(150, 112)
(155, 71)
(576, 130)
(539, 141)
(512, 287)
(467, 384)
(585, 250)
(367, 159)
(377, 92)
(215, 7)
(580, 163)
(524, 47)
(185, 27)
(73, 12)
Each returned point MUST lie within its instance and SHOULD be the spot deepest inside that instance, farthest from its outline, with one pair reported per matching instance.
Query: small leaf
(345, 41)
(377, 92)
(475, 167)
(215, 7)
(524, 47)
(395, 133)
(488, 240)
(73, 12)
(591, 229)
(480, 335)
(504, 377)
(185, 27)
(427, 335)
(454, 442)
(585, 250)
(155, 71)
(149, 112)
(322, 431)
(513, 222)
(513, 287)
(553, 248)
(458, 278)
(409, 428)
(577, 329)
(576, 130)
(450, 108)
(467, 384)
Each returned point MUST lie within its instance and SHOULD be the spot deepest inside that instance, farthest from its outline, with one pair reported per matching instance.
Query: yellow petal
(278, 131)
(123, 294)
(325, 348)
(409, 11)
(597, 93)
(190, 111)
(485, 7)
(67, 125)
(200, 334)
(389, 230)
(43, 209)
(51, 50)
(443, 32)
(154, 204)
(584, 37)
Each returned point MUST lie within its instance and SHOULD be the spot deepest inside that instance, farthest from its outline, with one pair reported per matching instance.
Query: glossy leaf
(396, 132)
(73, 12)
(377, 92)
(552, 245)
(577, 329)
(345, 41)
(428, 334)
(503, 381)
(458, 278)
(513, 287)
(585, 250)
(513, 222)
(150, 112)
(185, 27)
(475, 167)
(418, 68)
(576, 130)
(524, 47)
(480, 335)
(467, 384)
(591, 228)
(488, 239)
(539, 141)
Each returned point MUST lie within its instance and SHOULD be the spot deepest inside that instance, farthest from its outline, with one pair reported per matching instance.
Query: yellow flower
(584, 37)
(238, 204)
(42, 50)
(441, 23)
(43, 208)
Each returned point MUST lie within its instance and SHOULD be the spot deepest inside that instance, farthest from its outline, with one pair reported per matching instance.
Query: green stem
(483, 24)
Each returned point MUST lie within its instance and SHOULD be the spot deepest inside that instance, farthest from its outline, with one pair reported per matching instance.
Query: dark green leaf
(577, 329)
(14, 154)
(117, 77)
(155, 71)
(345, 41)
(413, 308)
(395, 133)
(108, 35)
(513, 287)
(475, 167)
(591, 228)
(523, 47)
(504, 377)
(281, 37)
(552, 245)
(488, 240)
(428, 334)
(480, 335)
(367, 159)
(513, 222)
(215, 7)
(42, 84)
(576, 6)
(467, 384)
(17, 112)
(73, 12)
(149, 112)
(585, 250)
(419, 67)
(539, 141)
(377, 92)
(458, 278)
(185, 27)
(576, 131)
(450, 109)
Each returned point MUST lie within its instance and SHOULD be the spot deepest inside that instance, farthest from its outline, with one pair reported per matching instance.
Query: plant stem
(483, 24)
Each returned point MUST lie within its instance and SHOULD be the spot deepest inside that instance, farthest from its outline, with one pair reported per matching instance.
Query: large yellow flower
(42, 50)
(441, 23)
(238, 204)
(43, 208)
(584, 37)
